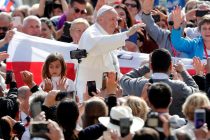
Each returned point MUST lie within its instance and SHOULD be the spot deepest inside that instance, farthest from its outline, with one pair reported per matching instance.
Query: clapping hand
(61, 84)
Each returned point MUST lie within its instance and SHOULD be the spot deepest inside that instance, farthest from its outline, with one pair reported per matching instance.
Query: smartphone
(16, 21)
(199, 118)
(39, 129)
(125, 124)
(156, 18)
(8, 77)
(66, 28)
(36, 108)
(91, 85)
(208, 117)
(201, 13)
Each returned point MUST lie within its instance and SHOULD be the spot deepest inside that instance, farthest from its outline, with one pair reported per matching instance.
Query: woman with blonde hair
(138, 105)
(193, 102)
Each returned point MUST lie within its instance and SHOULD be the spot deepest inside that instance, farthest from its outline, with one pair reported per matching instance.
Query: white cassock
(101, 58)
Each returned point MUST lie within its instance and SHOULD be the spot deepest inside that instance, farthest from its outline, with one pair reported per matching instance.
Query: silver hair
(31, 17)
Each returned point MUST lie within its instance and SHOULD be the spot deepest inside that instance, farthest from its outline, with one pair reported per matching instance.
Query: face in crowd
(77, 10)
(109, 21)
(32, 27)
(132, 7)
(76, 31)
(5, 25)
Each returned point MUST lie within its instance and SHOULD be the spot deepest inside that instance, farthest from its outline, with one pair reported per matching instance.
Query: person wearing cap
(116, 115)
(99, 42)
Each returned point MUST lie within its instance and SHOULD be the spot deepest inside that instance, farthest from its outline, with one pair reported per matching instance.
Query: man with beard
(5, 33)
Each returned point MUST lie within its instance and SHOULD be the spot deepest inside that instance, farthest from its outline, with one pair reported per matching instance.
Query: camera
(201, 13)
(78, 54)
(153, 120)
(156, 18)
(91, 85)
(8, 77)
(199, 117)
(39, 129)
(125, 124)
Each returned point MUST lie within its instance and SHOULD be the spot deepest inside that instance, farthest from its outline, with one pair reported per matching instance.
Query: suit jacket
(133, 83)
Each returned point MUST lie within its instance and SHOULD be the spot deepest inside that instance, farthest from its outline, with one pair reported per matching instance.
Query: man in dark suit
(161, 65)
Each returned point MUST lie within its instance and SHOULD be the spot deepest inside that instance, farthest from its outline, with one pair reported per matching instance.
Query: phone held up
(199, 117)
(8, 77)
(125, 124)
(91, 85)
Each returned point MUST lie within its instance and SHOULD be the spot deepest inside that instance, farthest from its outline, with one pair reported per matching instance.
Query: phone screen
(199, 118)
(91, 87)
(201, 13)
(8, 77)
(125, 126)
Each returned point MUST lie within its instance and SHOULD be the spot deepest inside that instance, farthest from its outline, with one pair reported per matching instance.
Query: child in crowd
(54, 74)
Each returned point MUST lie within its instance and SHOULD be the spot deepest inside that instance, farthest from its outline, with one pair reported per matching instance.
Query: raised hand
(3, 56)
(50, 98)
(177, 17)
(28, 78)
(55, 132)
(198, 66)
(135, 28)
(48, 86)
(179, 66)
(61, 84)
(8, 36)
(147, 6)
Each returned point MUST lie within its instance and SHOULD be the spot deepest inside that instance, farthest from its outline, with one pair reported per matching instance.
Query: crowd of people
(159, 100)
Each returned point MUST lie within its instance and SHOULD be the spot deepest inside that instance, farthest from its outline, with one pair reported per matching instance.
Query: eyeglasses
(131, 5)
(77, 10)
(4, 28)
(171, 23)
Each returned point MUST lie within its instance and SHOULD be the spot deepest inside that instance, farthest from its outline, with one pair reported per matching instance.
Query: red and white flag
(29, 53)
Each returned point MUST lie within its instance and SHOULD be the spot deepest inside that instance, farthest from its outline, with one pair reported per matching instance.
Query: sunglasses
(171, 23)
(77, 10)
(4, 29)
(131, 5)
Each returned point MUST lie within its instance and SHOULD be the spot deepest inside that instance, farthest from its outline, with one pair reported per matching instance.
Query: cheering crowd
(159, 100)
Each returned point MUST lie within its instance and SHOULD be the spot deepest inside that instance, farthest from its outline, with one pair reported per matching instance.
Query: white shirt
(101, 58)
(159, 76)
(188, 128)
(192, 32)
(69, 83)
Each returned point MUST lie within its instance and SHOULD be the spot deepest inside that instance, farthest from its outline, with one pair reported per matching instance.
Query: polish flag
(29, 53)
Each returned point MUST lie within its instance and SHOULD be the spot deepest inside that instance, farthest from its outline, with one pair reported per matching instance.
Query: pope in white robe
(99, 42)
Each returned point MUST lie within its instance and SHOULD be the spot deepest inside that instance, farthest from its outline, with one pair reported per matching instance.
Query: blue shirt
(4, 48)
(170, 3)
